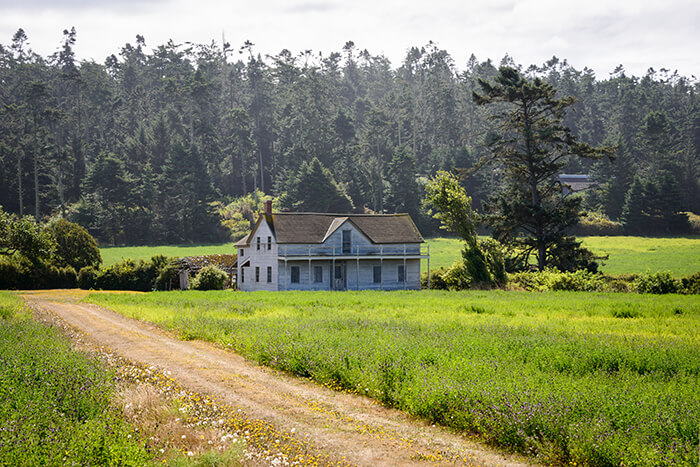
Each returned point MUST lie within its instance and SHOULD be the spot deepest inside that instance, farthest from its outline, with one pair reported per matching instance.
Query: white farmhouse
(311, 251)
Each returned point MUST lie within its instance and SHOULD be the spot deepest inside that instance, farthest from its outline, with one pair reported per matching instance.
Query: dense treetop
(139, 148)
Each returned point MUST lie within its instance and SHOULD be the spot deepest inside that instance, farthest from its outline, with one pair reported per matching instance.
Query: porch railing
(422, 250)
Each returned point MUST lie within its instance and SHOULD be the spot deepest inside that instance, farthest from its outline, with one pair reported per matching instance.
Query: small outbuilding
(189, 266)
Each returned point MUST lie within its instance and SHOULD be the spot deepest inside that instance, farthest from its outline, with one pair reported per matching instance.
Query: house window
(242, 252)
(347, 242)
(257, 273)
(269, 274)
(402, 273)
(258, 242)
(269, 243)
(318, 274)
(295, 274)
(242, 275)
(377, 274)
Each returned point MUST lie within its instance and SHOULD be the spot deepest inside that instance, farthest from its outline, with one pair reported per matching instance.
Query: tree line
(151, 145)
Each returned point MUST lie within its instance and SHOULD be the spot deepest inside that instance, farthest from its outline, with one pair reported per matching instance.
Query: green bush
(10, 274)
(167, 279)
(553, 279)
(131, 275)
(457, 277)
(209, 278)
(691, 284)
(657, 283)
(19, 273)
(694, 221)
(87, 277)
(597, 224)
(74, 245)
(437, 280)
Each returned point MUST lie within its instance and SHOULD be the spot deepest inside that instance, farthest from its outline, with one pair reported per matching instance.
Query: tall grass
(54, 402)
(600, 379)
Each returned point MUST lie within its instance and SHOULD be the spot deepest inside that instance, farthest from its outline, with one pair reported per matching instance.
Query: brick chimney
(268, 208)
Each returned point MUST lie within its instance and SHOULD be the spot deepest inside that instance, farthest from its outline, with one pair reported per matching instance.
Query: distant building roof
(305, 227)
(575, 182)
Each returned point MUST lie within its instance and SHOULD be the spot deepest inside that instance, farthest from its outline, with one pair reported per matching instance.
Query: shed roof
(306, 227)
(194, 263)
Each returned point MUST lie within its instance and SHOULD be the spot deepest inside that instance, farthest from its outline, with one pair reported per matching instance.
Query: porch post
(357, 267)
(428, 266)
(381, 267)
(309, 267)
(404, 266)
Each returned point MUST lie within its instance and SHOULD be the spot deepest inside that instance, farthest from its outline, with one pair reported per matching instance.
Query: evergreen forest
(157, 143)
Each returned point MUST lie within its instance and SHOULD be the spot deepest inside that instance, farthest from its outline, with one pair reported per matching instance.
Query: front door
(338, 276)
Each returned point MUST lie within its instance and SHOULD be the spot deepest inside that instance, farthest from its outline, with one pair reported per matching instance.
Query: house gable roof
(301, 227)
(307, 227)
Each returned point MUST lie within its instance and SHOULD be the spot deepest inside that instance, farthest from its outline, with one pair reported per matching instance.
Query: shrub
(553, 279)
(87, 277)
(457, 276)
(437, 280)
(66, 278)
(167, 277)
(691, 284)
(74, 245)
(10, 274)
(209, 278)
(131, 275)
(595, 223)
(694, 221)
(569, 255)
(657, 283)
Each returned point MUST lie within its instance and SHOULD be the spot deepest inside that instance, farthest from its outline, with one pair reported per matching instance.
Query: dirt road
(345, 426)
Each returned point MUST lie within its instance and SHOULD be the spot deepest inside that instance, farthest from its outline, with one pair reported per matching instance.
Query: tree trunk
(380, 187)
(36, 182)
(19, 185)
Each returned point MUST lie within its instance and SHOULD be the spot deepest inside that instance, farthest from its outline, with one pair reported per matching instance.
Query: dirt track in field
(347, 427)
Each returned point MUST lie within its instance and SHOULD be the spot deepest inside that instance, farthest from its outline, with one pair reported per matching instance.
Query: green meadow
(114, 254)
(627, 255)
(565, 377)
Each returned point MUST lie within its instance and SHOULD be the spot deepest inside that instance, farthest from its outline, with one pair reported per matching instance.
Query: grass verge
(55, 403)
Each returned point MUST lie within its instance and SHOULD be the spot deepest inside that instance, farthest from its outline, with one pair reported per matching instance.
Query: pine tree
(531, 147)
(313, 189)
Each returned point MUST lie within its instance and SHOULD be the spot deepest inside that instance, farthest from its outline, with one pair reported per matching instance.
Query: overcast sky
(599, 34)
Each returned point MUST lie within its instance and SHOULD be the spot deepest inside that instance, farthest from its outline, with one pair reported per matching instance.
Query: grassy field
(114, 254)
(54, 402)
(570, 378)
(628, 255)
